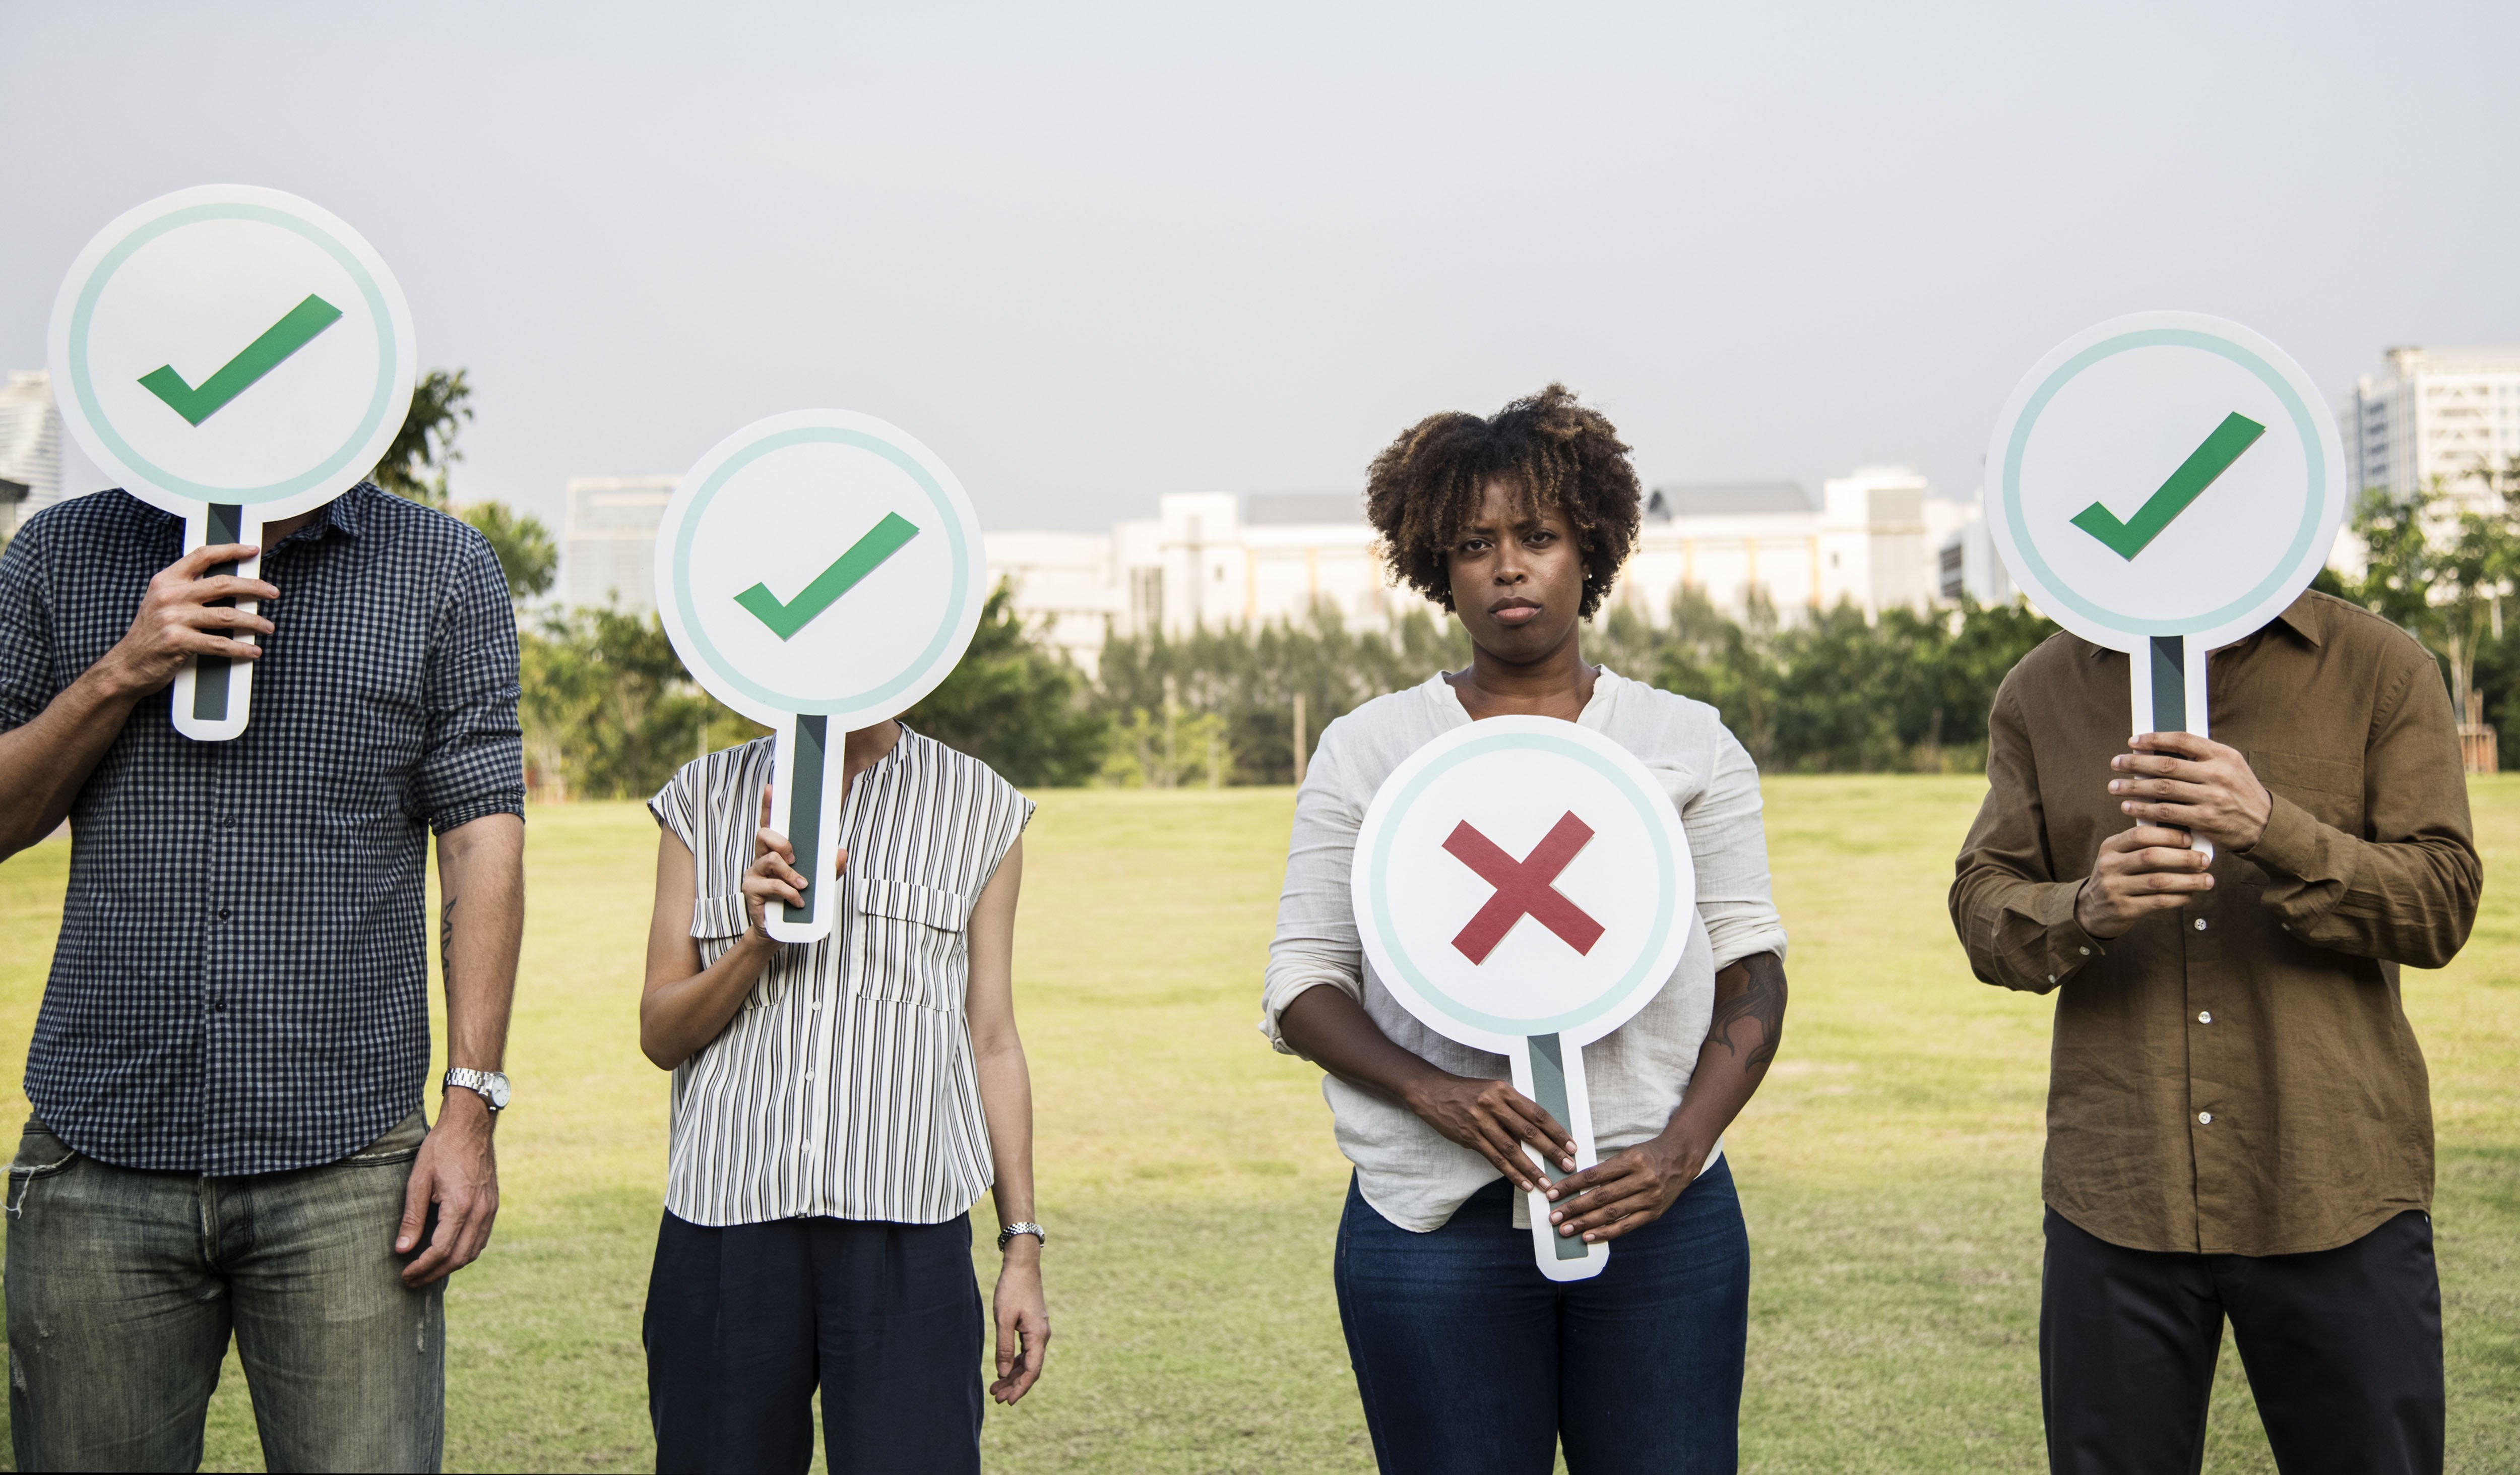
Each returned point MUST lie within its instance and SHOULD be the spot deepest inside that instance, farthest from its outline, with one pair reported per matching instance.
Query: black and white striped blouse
(844, 1087)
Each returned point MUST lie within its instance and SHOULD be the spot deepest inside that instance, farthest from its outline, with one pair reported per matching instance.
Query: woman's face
(1518, 583)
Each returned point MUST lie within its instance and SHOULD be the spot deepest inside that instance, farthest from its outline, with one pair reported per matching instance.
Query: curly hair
(1554, 452)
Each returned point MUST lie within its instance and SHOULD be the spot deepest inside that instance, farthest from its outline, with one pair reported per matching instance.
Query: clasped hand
(2175, 786)
(773, 876)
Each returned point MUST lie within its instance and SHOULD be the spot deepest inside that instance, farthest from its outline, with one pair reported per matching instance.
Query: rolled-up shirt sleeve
(27, 680)
(2015, 917)
(1728, 844)
(1316, 943)
(2407, 888)
(472, 762)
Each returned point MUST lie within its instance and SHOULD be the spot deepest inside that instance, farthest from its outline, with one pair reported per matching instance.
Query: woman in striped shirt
(838, 1108)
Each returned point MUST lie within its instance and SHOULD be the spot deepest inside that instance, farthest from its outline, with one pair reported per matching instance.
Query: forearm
(1332, 1030)
(1741, 1041)
(679, 1016)
(481, 879)
(44, 763)
(2403, 901)
(1006, 1102)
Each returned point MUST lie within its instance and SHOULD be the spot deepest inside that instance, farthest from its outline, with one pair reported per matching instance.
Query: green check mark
(862, 559)
(2237, 433)
(264, 355)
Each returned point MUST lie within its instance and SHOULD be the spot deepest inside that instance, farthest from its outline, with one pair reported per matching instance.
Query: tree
(415, 468)
(440, 406)
(1014, 704)
(608, 709)
(527, 555)
(2440, 575)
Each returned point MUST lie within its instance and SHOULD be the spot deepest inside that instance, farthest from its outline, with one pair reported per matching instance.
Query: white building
(608, 540)
(31, 447)
(1217, 558)
(2435, 412)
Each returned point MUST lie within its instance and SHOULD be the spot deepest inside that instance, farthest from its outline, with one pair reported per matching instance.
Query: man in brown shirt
(2238, 1119)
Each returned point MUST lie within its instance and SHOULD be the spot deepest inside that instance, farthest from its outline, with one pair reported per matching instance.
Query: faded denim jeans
(123, 1287)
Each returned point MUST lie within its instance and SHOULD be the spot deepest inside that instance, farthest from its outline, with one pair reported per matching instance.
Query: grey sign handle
(805, 815)
(1549, 1089)
(226, 525)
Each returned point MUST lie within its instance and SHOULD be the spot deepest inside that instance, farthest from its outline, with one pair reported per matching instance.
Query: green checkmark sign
(2237, 433)
(862, 559)
(239, 374)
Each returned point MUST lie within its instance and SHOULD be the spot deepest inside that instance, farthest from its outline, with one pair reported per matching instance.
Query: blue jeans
(1470, 1361)
(124, 1287)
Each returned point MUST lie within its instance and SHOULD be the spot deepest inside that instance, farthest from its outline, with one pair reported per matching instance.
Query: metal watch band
(1012, 1231)
(476, 1082)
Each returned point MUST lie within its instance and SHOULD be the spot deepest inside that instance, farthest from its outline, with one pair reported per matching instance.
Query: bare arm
(684, 1006)
(482, 882)
(44, 763)
(1634, 1187)
(1491, 1118)
(1023, 1314)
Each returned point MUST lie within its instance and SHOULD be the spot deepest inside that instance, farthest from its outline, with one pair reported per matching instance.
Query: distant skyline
(1096, 253)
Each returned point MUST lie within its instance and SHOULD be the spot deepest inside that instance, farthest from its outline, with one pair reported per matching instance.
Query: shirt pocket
(914, 948)
(2329, 789)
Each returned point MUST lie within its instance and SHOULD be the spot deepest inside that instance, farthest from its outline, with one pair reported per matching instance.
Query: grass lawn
(1889, 1167)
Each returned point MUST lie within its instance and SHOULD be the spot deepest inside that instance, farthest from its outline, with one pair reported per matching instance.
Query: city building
(1877, 538)
(608, 540)
(2434, 412)
(31, 447)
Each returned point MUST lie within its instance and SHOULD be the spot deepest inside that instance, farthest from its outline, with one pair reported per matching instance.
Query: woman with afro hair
(1466, 1358)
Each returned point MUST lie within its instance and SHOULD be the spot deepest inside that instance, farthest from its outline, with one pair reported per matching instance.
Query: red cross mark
(1522, 887)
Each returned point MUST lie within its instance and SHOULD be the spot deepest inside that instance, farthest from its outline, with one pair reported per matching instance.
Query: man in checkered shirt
(228, 1071)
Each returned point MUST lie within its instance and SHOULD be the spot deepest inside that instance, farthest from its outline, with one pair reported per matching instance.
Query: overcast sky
(1094, 254)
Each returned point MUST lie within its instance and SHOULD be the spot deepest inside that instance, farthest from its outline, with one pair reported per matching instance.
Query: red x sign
(1522, 887)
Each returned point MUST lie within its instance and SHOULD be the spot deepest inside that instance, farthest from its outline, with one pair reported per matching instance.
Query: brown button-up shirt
(2236, 1077)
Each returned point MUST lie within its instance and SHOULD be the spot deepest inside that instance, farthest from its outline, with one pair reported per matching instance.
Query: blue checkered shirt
(240, 984)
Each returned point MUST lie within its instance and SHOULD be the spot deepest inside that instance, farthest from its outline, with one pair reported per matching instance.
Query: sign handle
(2168, 693)
(1550, 1070)
(212, 695)
(805, 796)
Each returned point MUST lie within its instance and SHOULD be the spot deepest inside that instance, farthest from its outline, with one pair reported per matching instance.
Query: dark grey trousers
(124, 1287)
(2343, 1350)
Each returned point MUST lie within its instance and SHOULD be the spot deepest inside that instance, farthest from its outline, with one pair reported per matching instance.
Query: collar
(348, 512)
(2305, 617)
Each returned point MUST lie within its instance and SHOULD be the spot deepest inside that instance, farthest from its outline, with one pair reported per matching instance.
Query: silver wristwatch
(490, 1085)
(1012, 1231)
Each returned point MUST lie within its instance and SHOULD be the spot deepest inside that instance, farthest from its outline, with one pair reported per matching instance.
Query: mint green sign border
(2313, 510)
(1666, 870)
(807, 435)
(388, 354)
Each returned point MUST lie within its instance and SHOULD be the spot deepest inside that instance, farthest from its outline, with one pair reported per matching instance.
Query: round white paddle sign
(235, 356)
(818, 572)
(1523, 885)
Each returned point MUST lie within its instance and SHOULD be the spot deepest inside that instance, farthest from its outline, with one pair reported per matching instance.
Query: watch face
(498, 1084)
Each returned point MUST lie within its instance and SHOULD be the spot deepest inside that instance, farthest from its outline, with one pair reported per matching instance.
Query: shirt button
(2051, 978)
(2087, 952)
(2205, 1118)
(2200, 924)
(2204, 1016)
(223, 913)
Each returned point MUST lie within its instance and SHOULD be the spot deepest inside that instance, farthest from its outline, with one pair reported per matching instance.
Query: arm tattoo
(446, 942)
(1761, 1001)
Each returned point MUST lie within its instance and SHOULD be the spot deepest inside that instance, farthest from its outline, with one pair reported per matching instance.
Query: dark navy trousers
(1470, 1361)
(745, 1323)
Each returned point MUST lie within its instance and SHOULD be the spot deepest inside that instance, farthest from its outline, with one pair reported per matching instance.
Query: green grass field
(1890, 1168)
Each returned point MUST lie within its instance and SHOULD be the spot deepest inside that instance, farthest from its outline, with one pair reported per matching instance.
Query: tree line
(609, 711)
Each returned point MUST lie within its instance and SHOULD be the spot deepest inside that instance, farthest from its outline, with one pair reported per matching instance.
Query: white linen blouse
(1411, 1174)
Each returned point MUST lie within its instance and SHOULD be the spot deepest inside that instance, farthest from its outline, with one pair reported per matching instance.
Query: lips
(1514, 612)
